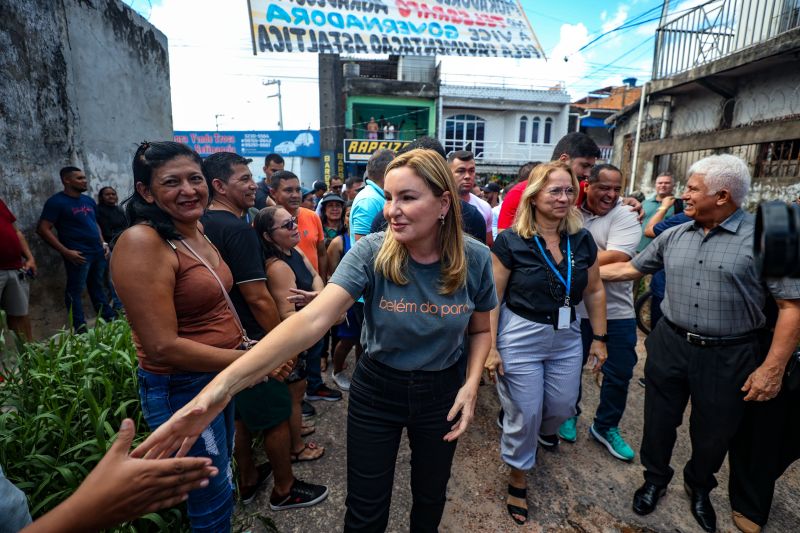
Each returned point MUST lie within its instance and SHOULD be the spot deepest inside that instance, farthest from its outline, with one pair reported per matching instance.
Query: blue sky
(214, 34)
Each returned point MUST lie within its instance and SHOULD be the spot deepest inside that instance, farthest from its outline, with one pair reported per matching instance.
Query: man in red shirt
(16, 267)
(577, 150)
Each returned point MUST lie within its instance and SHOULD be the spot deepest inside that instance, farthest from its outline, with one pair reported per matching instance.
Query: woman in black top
(110, 217)
(289, 274)
(543, 266)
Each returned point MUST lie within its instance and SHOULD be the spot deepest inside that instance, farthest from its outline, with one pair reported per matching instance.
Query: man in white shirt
(616, 231)
(462, 165)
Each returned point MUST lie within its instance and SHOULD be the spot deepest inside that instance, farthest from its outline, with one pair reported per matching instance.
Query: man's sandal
(312, 446)
(305, 431)
(514, 510)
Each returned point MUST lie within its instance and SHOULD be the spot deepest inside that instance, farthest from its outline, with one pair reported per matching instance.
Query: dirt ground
(578, 488)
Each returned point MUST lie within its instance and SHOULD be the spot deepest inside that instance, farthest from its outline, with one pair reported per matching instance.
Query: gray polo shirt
(712, 287)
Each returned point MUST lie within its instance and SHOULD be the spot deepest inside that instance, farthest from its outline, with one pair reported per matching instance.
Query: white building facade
(503, 127)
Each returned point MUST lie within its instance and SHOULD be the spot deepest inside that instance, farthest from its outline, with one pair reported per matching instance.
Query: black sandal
(522, 494)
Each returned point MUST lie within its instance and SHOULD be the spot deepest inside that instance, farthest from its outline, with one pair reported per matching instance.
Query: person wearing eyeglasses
(544, 266)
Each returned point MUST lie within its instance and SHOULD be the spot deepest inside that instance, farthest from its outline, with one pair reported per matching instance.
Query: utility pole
(280, 103)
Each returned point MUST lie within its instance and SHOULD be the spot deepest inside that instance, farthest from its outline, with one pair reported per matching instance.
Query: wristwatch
(601, 338)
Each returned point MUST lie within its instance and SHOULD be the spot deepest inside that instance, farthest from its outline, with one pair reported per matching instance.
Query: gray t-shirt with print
(412, 326)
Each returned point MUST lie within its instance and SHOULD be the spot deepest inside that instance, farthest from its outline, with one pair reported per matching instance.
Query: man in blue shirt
(369, 202)
(78, 239)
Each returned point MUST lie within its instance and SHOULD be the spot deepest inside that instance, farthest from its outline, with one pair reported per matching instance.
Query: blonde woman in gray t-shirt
(424, 285)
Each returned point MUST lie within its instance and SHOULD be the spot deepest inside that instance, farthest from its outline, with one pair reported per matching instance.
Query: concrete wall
(84, 81)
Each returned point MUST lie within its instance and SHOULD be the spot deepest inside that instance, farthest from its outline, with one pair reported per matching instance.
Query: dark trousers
(768, 441)
(712, 376)
(88, 275)
(314, 366)
(617, 370)
(655, 310)
(383, 401)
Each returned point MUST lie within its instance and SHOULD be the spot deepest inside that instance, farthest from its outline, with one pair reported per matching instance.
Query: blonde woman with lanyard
(543, 266)
(424, 284)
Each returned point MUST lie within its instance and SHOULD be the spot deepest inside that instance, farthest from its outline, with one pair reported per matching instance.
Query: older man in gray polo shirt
(706, 349)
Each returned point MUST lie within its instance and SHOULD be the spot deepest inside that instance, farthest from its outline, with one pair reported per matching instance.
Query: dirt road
(578, 488)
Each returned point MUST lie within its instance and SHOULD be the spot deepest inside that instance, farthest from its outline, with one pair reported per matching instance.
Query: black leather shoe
(646, 498)
(702, 510)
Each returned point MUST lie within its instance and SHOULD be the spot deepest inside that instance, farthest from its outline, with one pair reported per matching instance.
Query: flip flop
(515, 510)
(308, 446)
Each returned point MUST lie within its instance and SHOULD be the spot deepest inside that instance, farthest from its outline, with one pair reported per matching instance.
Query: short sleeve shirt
(366, 205)
(10, 247)
(650, 206)
(712, 286)
(508, 209)
(532, 286)
(238, 245)
(618, 230)
(75, 221)
(311, 234)
(413, 327)
(484, 208)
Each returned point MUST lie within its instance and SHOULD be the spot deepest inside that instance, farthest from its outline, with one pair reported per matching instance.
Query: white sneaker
(342, 381)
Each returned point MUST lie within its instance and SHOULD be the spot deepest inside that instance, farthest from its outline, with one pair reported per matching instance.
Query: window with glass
(464, 132)
(548, 129)
(535, 130)
(523, 128)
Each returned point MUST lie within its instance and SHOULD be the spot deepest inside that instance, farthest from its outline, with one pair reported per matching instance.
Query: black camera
(777, 240)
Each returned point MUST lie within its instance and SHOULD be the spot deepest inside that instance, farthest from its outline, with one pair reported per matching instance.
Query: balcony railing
(500, 152)
(719, 28)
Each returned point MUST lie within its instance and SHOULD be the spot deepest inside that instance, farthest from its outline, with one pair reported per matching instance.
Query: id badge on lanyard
(564, 312)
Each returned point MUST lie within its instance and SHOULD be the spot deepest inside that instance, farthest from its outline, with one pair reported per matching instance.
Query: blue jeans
(617, 370)
(383, 401)
(161, 395)
(88, 275)
(14, 513)
(313, 366)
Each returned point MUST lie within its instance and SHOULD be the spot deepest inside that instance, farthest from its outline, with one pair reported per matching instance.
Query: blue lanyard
(568, 282)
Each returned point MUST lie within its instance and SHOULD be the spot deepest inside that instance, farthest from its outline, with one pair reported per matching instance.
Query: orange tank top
(202, 312)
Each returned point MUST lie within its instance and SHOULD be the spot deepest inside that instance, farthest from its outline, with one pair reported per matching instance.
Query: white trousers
(539, 387)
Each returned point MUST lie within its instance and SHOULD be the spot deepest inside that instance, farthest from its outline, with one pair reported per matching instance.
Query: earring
(441, 219)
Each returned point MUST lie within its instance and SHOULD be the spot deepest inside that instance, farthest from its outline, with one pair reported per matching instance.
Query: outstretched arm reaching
(121, 488)
(292, 336)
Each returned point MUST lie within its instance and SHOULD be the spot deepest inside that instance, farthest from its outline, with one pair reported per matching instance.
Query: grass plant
(61, 404)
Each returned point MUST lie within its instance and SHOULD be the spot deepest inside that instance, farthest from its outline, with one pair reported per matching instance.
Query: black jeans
(383, 401)
(767, 443)
(713, 377)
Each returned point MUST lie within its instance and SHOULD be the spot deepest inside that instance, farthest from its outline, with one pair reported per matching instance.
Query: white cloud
(618, 19)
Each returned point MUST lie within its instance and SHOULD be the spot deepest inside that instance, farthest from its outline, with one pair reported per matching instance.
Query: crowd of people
(238, 293)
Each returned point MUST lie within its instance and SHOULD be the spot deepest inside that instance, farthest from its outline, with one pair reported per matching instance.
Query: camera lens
(777, 240)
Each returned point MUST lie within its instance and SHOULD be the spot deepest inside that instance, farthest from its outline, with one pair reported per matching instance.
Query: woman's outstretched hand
(184, 427)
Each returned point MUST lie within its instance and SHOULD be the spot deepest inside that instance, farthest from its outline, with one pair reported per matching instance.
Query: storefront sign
(297, 143)
(360, 150)
(480, 28)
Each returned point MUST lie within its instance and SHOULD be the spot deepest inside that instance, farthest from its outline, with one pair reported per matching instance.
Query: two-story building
(503, 127)
(726, 79)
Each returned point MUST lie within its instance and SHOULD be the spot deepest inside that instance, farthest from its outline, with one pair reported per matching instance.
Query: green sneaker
(567, 431)
(612, 440)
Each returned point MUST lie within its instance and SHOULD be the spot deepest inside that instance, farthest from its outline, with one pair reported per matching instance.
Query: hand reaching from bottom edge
(121, 488)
